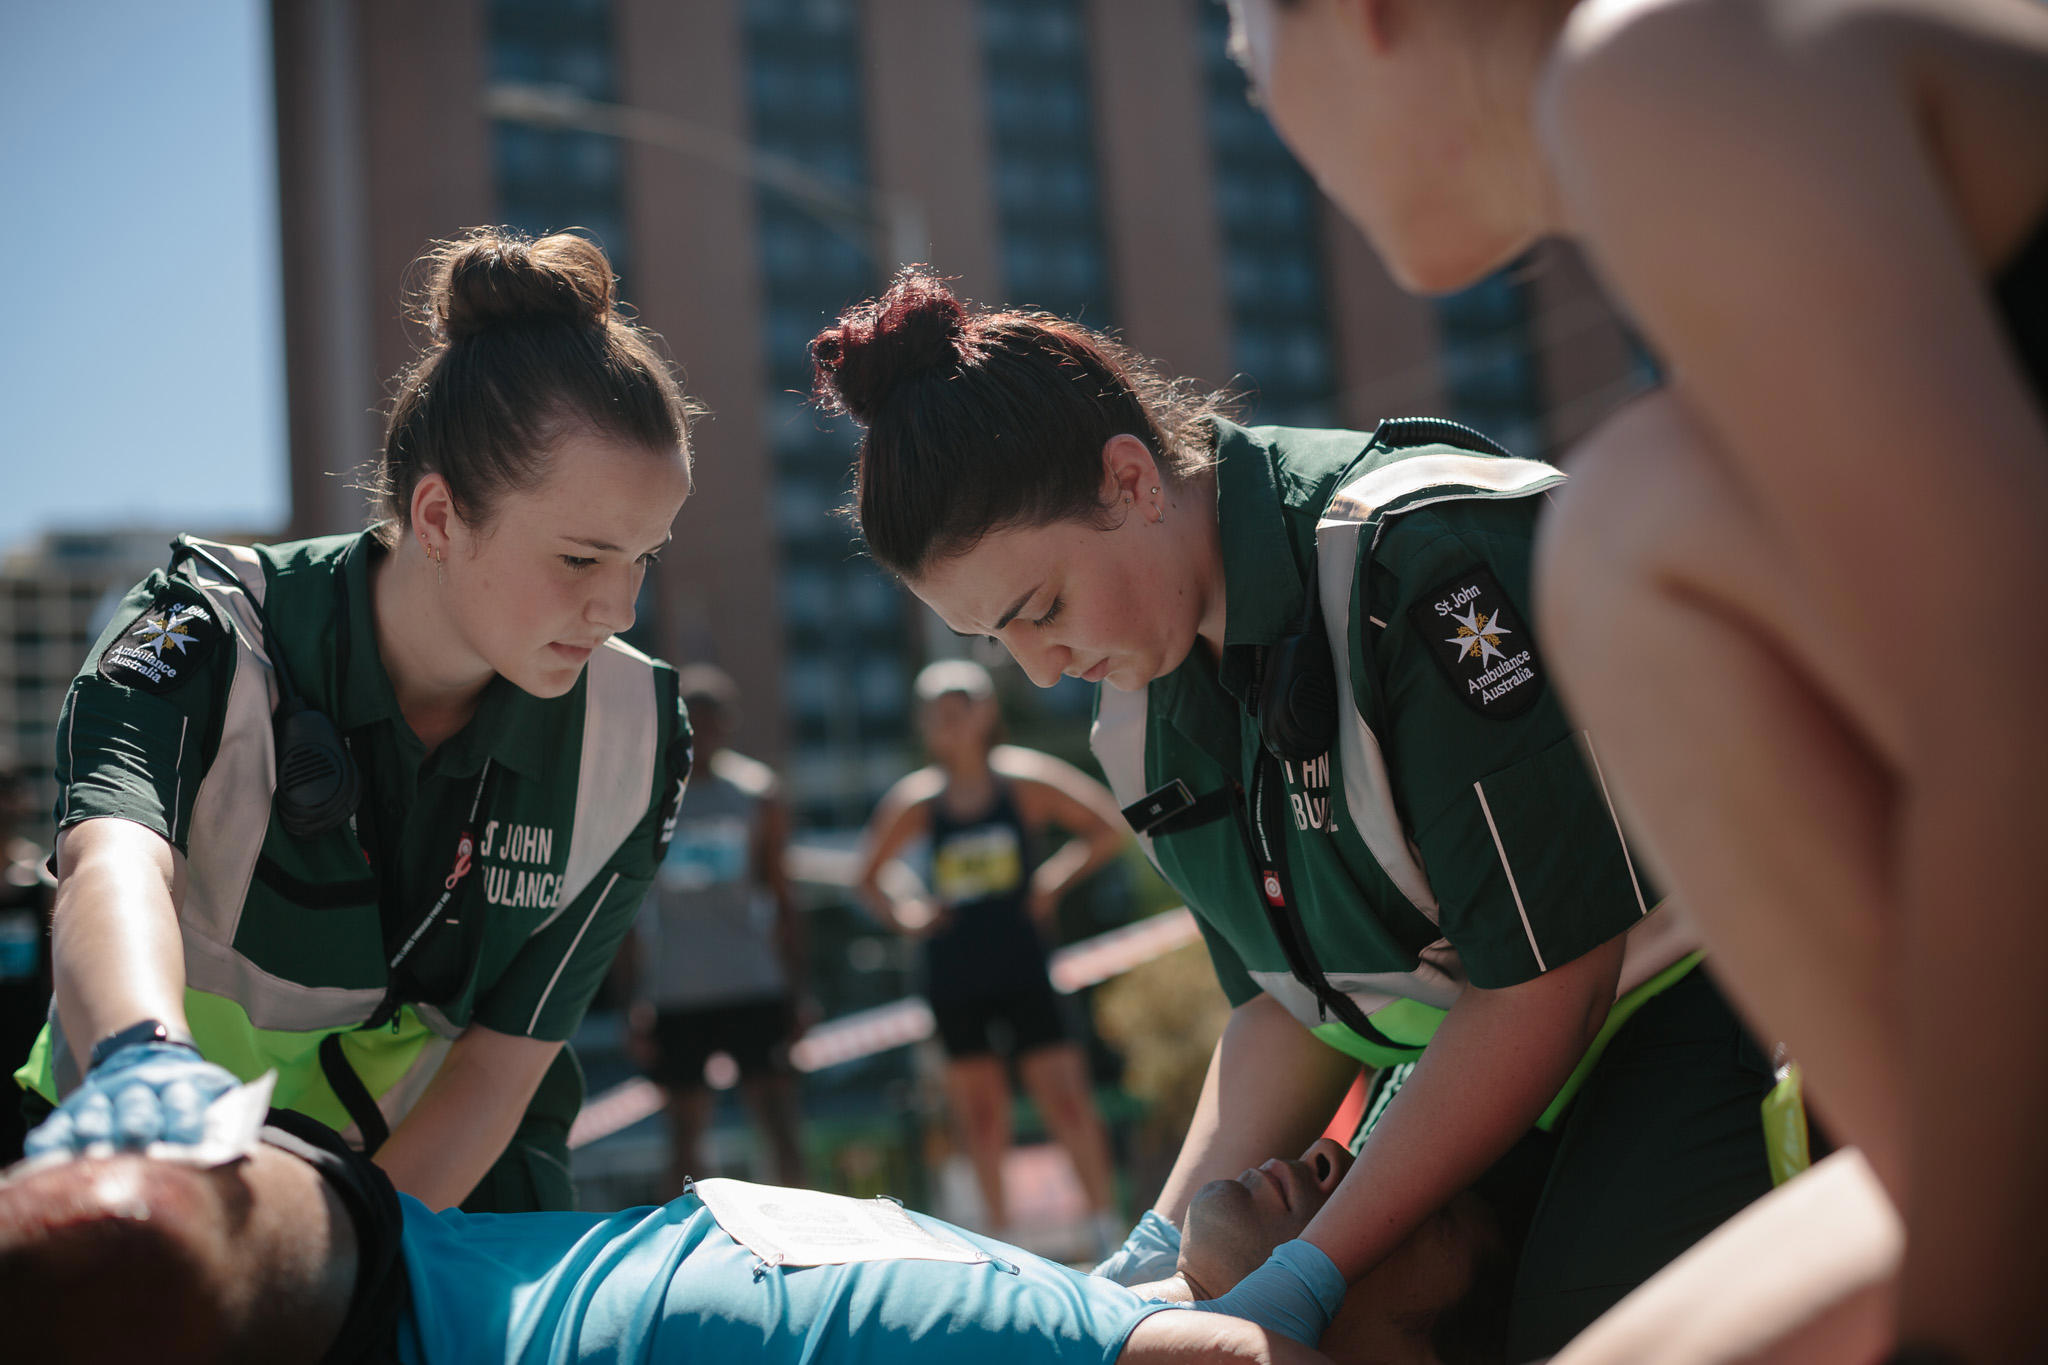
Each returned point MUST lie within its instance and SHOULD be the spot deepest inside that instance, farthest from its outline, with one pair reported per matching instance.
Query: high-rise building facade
(753, 166)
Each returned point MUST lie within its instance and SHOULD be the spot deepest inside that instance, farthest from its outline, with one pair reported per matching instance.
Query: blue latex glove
(1295, 1293)
(146, 1092)
(1151, 1252)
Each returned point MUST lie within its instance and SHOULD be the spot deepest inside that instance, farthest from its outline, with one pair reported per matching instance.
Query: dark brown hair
(979, 421)
(526, 343)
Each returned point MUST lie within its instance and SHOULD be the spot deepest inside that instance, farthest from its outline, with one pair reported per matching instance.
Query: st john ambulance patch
(1480, 643)
(164, 645)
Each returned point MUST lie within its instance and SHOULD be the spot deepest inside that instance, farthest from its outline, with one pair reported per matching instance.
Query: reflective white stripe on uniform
(1117, 739)
(1454, 473)
(615, 782)
(1368, 792)
(595, 906)
(1509, 869)
(178, 792)
(1593, 762)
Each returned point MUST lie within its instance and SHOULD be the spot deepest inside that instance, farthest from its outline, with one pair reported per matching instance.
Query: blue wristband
(1295, 1293)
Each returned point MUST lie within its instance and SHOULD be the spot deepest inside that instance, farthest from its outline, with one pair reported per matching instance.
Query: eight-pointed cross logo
(166, 628)
(1478, 635)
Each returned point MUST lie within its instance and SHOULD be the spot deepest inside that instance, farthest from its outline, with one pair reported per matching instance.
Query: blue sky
(141, 349)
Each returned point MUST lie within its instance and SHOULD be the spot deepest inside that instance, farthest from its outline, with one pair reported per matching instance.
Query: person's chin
(1137, 674)
(1437, 254)
(549, 677)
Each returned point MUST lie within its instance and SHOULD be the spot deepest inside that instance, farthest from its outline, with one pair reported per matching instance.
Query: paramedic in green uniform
(409, 958)
(1433, 872)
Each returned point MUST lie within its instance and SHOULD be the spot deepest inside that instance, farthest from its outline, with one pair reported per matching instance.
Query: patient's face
(1233, 1225)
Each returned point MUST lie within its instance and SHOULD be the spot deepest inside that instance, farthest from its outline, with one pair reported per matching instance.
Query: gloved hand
(147, 1092)
(1151, 1252)
(1295, 1293)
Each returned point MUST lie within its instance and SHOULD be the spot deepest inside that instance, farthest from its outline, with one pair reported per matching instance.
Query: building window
(549, 179)
(1042, 158)
(844, 621)
(1269, 212)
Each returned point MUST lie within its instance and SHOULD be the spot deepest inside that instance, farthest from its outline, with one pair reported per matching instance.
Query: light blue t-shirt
(667, 1284)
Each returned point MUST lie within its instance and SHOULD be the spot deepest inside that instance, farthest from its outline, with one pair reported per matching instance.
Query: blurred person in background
(985, 925)
(374, 811)
(25, 894)
(1829, 219)
(1327, 719)
(718, 963)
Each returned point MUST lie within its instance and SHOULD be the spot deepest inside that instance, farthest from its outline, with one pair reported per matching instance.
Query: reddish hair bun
(916, 327)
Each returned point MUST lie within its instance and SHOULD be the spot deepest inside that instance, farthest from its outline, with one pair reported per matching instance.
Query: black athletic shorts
(754, 1033)
(1010, 1025)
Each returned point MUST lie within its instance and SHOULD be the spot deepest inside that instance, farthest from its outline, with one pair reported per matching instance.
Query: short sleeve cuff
(1544, 874)
(126, 754)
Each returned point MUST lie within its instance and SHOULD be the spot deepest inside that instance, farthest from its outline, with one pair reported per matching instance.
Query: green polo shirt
(564, 801)
(1458, 834)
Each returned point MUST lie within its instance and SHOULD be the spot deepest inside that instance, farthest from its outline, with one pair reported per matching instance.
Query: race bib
(977, 863)
(786, 1227)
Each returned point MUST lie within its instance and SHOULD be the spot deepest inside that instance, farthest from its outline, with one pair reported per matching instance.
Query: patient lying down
(303, 1252)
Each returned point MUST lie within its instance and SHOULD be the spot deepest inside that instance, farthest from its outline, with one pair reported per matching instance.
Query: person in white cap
(986, 919)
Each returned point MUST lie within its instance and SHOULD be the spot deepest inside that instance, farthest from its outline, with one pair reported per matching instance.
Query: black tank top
(2020, 291)
(981, 871)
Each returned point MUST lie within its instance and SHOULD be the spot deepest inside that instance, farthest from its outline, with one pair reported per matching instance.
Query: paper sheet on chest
(788, 1227)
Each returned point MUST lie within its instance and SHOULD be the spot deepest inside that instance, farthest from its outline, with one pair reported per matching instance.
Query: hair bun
(917, 326)
(494, 278)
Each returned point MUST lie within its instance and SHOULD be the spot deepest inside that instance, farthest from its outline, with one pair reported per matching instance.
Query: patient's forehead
(123, 1187)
